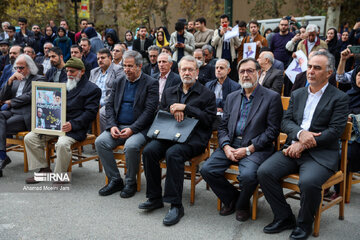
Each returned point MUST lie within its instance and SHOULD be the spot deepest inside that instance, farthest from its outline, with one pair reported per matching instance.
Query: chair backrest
(95, 125)
(285, 102)
(345, 137)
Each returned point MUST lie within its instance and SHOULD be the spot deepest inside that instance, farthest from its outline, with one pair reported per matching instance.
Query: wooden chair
(214, 144)
(351, 178)
(192, 169)
(18, 145)
(338, 178)
(119, 156)
(76, 148)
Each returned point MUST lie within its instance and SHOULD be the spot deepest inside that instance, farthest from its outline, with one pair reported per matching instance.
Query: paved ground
(82, 214)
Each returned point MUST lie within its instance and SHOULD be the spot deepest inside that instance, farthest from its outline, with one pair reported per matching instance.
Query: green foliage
(266, 8)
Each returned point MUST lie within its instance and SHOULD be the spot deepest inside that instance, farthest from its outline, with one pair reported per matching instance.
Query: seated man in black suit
(152, 67)
(189, 99)
(15, 98)
(314, 121)
(270, 77)
(222, 86)
(166, 77)
(82, 104)
(250, 125)
(130, 110)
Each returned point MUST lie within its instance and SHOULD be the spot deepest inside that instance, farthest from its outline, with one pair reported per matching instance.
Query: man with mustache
(250, 125)
(14, 52)
(82, 104)
(187, 99)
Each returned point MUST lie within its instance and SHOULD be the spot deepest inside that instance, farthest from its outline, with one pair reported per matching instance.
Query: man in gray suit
(104, 77)
(250, 125)
(15, 97)
(270, 77)
(314, 121)
(130, 111)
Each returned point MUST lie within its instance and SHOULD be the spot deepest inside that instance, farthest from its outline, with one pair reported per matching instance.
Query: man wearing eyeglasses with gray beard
(250, 125)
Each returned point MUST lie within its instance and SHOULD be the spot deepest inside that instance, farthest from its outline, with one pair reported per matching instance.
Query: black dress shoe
(128, 191)
(173, 216)
(227, 210)
(152, 204)
(299, 234)
(1, 173)
(242, 215)
(280, 225)
(4, 162)
(113, 187)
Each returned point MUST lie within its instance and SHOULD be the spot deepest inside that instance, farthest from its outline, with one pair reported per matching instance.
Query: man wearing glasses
(15, 98)
(250, 125)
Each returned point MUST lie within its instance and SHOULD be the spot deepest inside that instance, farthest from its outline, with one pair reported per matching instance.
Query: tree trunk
(333, 16)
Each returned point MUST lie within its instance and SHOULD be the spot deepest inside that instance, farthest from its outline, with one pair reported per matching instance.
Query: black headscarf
(333, 45)
(354, 93)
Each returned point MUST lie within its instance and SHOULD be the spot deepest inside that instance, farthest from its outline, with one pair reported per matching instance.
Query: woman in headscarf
(91, 34)
(111, 39)
(161, 40)
(332, 42)
(129, 39)
(354, 117)
(63, 42)
(164, 29)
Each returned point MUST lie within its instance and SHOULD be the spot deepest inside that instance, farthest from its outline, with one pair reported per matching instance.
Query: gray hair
(199, 50)
(5, 23)
(207, 47)
(331, 60)
(224, 61)
(135, 55)
(245, 60)
(154, 48)
(311, 28)
(270, 56)
(188, 58)
(29, 62)
(167, 55)
(121, 47)
(52, 45)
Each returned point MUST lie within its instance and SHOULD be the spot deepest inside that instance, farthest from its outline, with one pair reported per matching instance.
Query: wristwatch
(248, 153)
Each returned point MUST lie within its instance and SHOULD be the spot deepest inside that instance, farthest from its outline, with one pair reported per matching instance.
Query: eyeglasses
(20, 68)
(248, 71)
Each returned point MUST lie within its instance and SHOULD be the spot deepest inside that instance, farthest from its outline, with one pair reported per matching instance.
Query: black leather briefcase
(166, 127)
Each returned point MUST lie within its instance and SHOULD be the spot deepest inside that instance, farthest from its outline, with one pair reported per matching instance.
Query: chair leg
(348, 186)
(342, 194)
(318, 217)
(255, 202)
(193, 179)
(106, 180)
(26, 166)
(138, 180)
(100, 166)
(218, 204)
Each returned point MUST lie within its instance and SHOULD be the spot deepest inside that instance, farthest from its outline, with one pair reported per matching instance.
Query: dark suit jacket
(6, 74)
(25, 41)
(262, 124)
(300, 80)
(274, 79)
(200, 104)
(137, 47)
(329, 118)
(172, 80)
(82, 105)
(228, 87)
(145, 104)
(22, 104)
(50, 74)
(147, 69)
(278, 65)
(71, 35)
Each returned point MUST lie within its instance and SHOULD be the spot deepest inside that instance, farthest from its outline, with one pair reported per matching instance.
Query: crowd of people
(194, 72)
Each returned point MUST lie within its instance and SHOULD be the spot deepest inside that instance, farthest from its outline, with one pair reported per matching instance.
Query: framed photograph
(48, 108)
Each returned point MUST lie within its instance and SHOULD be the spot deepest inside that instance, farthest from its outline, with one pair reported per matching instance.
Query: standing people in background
(203, 35)
(63, 42)
(53, 26)
(312, 43)
(38, 46)
(161, 40)
(279, 41)
(142, 44)
(332, 43)
(254, 37)
(4, 35)
(24, 37)
(182, 43)
(96, 43)
(191, 27)
(69, 34)
(91, 24)
(49, 35)
(129, 39)
(83, 24)
(301, 34)
(111, 39)
(242, 30)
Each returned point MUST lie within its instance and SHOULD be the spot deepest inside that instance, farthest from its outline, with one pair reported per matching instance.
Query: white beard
(188, 80)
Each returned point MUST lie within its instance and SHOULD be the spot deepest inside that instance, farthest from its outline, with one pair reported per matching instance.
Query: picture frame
(48, 108)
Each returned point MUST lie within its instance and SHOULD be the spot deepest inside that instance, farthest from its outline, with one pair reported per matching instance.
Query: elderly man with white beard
(250, 125)
(82, 104)
(187, 99)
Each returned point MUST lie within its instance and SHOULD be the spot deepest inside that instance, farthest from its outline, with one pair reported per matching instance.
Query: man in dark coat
(250, 125)
(188, 99)
(15, 98)
(82, 104)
